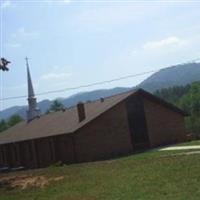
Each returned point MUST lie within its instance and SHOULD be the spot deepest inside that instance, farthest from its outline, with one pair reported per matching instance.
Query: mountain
(172, 76)
(70, 101)
(21, 110)
(176, 75)
(96, 94)
(10, 111)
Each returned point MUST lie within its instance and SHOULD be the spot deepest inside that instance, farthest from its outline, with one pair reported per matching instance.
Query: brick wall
(64, 149)
(45, 155)
(105, 137)
(164, 125)
(27, 154)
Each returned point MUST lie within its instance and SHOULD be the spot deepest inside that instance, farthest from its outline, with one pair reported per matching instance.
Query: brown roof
(58, 123)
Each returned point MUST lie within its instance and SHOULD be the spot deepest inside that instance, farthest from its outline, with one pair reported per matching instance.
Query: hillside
(168, 77)
(172, 76)
(146, 176)
(21, 110)
(67, 102)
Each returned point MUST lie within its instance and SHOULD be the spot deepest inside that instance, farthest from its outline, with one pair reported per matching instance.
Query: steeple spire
(32, 112)
(30, 85)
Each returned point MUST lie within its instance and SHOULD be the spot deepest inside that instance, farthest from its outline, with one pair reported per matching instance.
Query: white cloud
(66, 1)
(61, 2)
(14, 45)
(101, 18)
(16, 87)
(24, 34)
(169, 42)
(55, 76)
(6, 4)
(21, 36)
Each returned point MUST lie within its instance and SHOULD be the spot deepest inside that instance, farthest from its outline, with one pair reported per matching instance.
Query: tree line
(15, 119)
(188, 99)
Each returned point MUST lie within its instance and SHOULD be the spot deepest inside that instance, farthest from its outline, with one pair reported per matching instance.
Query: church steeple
(32, 112)
(30, 85)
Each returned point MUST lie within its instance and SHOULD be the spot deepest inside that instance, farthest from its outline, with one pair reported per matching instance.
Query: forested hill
(179, 75)
(173, 94)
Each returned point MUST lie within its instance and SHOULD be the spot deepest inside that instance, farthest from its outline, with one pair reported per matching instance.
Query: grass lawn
(195, 142)
(146, 176)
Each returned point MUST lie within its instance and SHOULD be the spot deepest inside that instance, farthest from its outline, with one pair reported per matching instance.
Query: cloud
(61, 2)
(14, 45)
(101, 18)
(21, 36)
(24, 34)
(169, 42)
(55, 76)
(16, 87)
(6, 4)
(158, 47)
(66, 1)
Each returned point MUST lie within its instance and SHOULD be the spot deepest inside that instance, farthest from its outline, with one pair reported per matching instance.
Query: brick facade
(105, 137)
(164, 126)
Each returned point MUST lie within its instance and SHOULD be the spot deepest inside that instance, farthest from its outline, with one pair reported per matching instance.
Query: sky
(71, 43)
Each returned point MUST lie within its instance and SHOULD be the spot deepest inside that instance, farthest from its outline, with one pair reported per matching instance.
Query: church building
(109, 127)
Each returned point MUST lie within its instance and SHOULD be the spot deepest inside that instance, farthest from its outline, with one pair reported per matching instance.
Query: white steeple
(32, 112)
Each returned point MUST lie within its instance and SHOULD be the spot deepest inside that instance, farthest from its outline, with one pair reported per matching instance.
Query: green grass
(146, 176)
(195, 142)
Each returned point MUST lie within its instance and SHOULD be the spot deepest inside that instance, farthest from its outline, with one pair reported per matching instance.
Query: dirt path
(24, 181)
(180, 148)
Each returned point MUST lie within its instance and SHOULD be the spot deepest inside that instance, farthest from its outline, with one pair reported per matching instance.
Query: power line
(79, 87)
(91, 84)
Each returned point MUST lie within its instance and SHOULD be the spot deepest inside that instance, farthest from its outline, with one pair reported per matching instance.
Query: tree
(56, 106)
(13, 120)
(3, 125)
(191, 103)
(173, 94)
(188, 99)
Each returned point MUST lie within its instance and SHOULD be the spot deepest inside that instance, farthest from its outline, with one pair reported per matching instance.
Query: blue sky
(71, 43)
